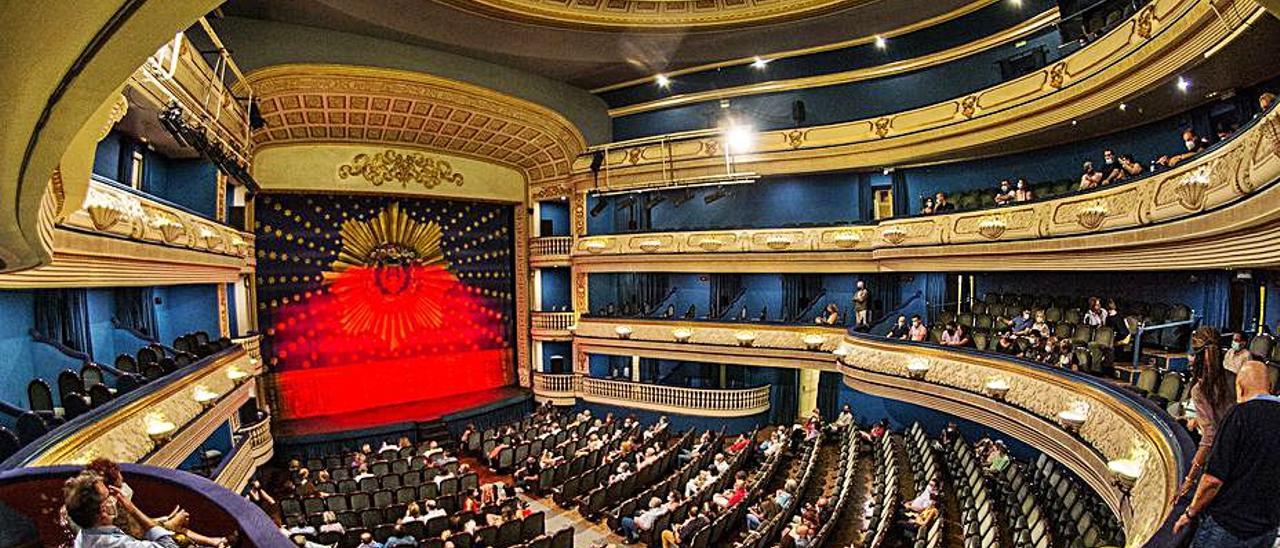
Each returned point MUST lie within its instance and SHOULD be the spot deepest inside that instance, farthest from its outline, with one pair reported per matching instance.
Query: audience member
(918, 332)
(94, 507)
(830, 315)
(1091, 178)
(1239, 493)
(900, 329)
(1006, 194)
(941, 205)
(1022, 192)
(1238, 354)
(861, 304)
(955, 335)
(1210, 396)
(1194, 145)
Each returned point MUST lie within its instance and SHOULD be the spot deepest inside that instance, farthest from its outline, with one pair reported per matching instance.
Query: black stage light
(600, 206)
(626, 202)
(719, 193)
(681, 198)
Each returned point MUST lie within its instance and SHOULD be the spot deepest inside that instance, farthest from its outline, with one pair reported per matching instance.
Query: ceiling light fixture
(1015, 3)
(760, 64)
(880, 42)
(662, 81)
(1183, 84)
(739, 138)
(1123, 107)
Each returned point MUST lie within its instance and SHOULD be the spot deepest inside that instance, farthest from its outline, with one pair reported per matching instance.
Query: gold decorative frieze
(1091, 217)
(993, 227)
(389, 167)
(894, 234)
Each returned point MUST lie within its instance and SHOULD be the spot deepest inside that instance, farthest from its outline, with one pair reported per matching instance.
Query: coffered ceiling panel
(342, 104)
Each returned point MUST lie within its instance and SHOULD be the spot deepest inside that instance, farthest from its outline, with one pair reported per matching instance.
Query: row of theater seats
(805, 468)
(597, 501)
(924, 470)
(978, 518)
(1071, 310)
(80, 392)
(723, 530)
(1077, 513)
(885, 494)
(514, 451)
(840, 487)
(575, 474)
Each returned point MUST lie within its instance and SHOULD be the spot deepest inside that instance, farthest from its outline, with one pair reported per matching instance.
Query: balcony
(120, 237)
(255, 449)
(550, 251)
(562, 389)
(159, 424)
(744, 343)
(1155, 222)
(1028, 401)
(552, 326)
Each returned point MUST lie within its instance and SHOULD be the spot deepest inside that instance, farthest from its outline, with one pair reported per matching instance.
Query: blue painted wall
(557, 212)
(186, 308)
(961, 30)
(556, 289)
(768, 203)
(189, 183)
(106, 158)
(15, 347)
(557, 348)
(843, 102)
(606, 366)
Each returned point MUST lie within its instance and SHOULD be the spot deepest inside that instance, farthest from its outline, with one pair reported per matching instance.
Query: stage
(399, 417)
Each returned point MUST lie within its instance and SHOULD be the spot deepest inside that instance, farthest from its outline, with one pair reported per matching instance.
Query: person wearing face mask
(1194, 145)
(1021, 324)
(1022, 192)
(955, 335)
(900, 330)
(113, 478)
(1210, 395)
(94, 507)
(1238, 355)
(1005, 194)
(1091, 177)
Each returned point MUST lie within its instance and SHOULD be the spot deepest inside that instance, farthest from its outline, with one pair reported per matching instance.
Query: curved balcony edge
(1118, 425)
(119, 429)
(1224, 191)
(36, 493)
(564, 389)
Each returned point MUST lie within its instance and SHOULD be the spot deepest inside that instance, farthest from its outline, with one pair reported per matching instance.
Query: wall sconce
(649, 245)
(917, 368)
(841, 352)
(203, 396)
(1073, 417)
(777, 242)
(622, 331)
(846, 239)
(594, 246)
(682, 334)
(997, 388)
(1125, 472)
(745, 338)
(237, 375)
(814, 341)
(159, 429)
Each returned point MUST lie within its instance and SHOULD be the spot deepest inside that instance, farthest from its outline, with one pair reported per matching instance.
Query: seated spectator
(919, 522)
(1008, 346)
(366, 541)
(1041, 325)
(941, 205)
(830, 315)
(1022, 192)
(1095, 315)
(955, 335)
(844, 421)
(1091, 178)
(997, 459)
(925, 499)
(331, 523)
(1066, 356)
(786, 494)
(1265, 101)
(260, 498)
(741, 443)
(1021, 324)
(878, 430)
(113, 478)
(927, 208)
(632, 526)
(900, 329)
(93, 507)
(1005, 195)
(720, 464)
(400, 538)
(361, 473)
(1194, 145)
(918, 332)
(1128, 169)
(1238, 354)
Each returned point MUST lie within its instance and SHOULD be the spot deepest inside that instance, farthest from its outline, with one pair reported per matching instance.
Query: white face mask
(1191, 145)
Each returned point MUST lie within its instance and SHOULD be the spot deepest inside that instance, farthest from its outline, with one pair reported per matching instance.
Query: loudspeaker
(798, 114)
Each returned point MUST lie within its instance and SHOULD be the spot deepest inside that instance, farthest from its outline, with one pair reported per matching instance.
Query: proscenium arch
(59, 63)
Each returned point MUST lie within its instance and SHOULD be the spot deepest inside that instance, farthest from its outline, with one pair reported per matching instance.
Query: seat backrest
(1170, 386)
(39, 396)
(99, 394)
(69, 383)
(91, 374)
(1148, 379)
(126, 363)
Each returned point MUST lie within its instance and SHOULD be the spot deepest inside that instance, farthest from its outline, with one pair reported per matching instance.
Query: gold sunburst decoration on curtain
(390, 277)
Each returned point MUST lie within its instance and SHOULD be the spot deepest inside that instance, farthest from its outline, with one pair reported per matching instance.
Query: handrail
(550, 245)
(715, 401)
(808, 311)
(1192, 322)
(552, 321)
(876, 325)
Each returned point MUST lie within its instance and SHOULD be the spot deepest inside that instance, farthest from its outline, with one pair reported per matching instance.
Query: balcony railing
(655, 397)
(255, 449)
(550, 247)
(551, 323)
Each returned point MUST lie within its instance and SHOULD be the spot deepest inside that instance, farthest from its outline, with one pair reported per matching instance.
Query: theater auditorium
(640, 273)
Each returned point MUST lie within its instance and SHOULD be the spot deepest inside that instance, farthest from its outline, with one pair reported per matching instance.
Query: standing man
(861, 303)
(1238, 500)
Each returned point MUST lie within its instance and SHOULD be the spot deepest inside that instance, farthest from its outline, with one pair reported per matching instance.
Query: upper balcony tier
(1162, 40)
(121, 237)
(1148, 223)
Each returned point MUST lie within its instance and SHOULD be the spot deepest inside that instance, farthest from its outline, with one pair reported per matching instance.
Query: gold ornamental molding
(1159, 41)
(1112, 429)
(654, 15)
(321, 103)
(390, 167)
(771, 345)
(1031, 26)
(1223, 196)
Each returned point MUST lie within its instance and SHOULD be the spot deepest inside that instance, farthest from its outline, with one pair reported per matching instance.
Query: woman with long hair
(1211, 395)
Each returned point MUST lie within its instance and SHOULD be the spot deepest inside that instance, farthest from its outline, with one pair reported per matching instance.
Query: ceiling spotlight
(680, 199)
(739, 138)
(626, 202)
(760, 64)
(720, 192)
(662, 81)
(1015, 3)
(880, 42)
(1123, 107)
(1183, 84)
(1074, 122)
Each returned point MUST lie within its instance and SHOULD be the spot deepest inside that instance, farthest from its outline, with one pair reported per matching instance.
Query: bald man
(1238, 499)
